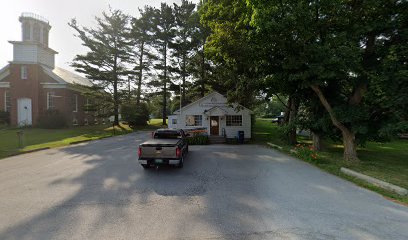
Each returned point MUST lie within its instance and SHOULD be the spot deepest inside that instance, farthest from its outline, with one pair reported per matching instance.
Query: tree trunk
(316, 141)
(115, 93)
(202, 87)
(183, 94)
(164, 113)
(292, 117)
(115, 103)
(287, 111)
(350, 152)
(139, 82)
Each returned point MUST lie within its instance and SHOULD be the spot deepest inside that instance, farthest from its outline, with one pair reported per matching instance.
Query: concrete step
(216, 139)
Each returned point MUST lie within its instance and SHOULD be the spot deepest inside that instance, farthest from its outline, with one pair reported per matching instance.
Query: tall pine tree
(142, 39)
(108, 53)
(163, 33)
(184, 43)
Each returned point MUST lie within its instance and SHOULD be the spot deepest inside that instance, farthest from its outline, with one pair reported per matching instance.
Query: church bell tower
(33, 47)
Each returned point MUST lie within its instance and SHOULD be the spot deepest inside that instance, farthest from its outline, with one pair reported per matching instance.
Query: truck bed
(160, 142)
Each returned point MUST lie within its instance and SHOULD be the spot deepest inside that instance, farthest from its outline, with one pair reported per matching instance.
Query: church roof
(64, 76)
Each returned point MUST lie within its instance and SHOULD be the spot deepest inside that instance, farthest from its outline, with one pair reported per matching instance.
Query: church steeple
(33, 47)
(34, 28)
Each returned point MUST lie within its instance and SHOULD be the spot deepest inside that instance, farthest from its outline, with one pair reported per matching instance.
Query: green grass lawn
(36, 138)
(386, 161)
(156, 122)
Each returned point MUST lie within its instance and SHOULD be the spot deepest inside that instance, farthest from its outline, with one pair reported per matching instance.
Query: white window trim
(5, 101)
(87, 105)
(226, 121)
(195, 124)
(49, 94)
(76, 103)
(48, 100)
(24, 72)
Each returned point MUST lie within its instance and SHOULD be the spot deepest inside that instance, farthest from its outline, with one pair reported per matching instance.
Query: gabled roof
(189, 105)
(64, 76)
(205, 97)
(214, 108)
(4, 72)
(60, 75)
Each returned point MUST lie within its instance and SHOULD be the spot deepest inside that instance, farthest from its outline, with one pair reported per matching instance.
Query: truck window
(167, 135)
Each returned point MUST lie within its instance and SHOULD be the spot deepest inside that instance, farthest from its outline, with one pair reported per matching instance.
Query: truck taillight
(178, 152)
(139, 152)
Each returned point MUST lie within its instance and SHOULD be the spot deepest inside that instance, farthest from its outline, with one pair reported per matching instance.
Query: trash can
(241, 137)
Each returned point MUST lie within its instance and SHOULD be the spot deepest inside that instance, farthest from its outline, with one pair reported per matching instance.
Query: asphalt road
(97, 190)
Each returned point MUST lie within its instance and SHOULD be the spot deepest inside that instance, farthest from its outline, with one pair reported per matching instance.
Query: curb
(29, 151)
(36, 150)
(94, 139)
(82, 141)
(274, 146)
(388, 186)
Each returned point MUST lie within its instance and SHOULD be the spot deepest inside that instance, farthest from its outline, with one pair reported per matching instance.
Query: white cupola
(33, 47)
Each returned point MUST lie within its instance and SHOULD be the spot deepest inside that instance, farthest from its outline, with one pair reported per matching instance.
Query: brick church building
(31, 84)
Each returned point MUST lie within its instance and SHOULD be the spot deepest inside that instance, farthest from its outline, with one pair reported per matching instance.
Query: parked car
(167, 147)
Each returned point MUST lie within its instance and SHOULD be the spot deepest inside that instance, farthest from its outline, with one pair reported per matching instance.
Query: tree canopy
(338, 50)
(335, 67)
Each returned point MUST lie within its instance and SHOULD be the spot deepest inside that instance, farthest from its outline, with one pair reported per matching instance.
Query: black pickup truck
(168, 147)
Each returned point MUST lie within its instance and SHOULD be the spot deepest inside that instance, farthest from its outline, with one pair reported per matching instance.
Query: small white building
(214, 114)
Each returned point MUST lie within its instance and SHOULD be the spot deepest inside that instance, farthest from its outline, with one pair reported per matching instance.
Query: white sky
(59, 13)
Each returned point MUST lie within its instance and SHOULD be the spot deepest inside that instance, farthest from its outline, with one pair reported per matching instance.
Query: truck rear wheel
(181, 164)
(145, 166)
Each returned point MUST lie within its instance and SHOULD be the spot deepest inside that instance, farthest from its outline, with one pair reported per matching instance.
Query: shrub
(4, 117)
(198, 140)
(306, 153)
(135, 115)
(52, 119)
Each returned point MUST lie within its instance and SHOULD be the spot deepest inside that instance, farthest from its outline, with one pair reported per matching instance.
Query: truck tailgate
(159, 149)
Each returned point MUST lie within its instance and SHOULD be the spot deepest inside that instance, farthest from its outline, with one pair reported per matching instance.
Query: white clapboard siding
(213, 104)
(45, 57)
(32, 53)
(25, 53)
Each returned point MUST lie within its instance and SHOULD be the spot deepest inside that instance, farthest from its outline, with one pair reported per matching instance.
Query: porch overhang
(215, 111)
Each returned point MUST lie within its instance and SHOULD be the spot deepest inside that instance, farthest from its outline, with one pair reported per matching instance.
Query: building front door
(24, 112)
(215, 125)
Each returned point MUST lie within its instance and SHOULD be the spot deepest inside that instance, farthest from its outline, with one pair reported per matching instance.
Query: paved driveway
(98, 191)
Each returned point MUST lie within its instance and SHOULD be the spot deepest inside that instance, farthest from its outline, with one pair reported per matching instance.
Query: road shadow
(112, 179)
(223, 192)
